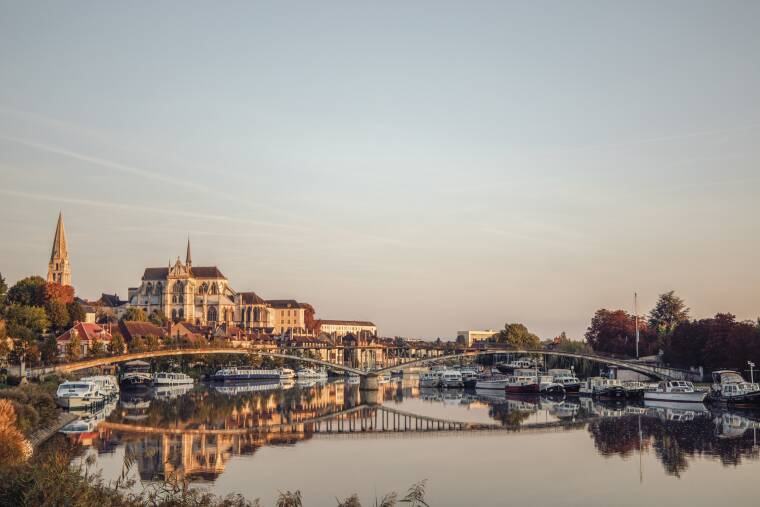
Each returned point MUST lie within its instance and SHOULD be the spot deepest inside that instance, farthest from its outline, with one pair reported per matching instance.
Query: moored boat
(729, 387)
(494, 382)
(547, 385)
(238, 374)
(171, 379)
(78, 394)
(451, 378)
(569, 382)
(135, 374)
(602, 387)
(107, 384)
(679, 391)
(635, 389)
(311, 373)
(524, 384)
(430, 379)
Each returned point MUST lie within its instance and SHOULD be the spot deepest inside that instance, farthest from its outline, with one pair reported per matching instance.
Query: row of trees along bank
(716, 342)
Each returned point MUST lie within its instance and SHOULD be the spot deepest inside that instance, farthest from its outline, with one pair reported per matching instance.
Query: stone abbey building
(202, 295)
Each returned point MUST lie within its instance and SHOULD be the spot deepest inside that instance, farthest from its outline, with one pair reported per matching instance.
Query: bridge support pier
(369, 382)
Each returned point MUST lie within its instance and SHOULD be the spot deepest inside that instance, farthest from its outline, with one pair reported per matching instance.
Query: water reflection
(194, 434)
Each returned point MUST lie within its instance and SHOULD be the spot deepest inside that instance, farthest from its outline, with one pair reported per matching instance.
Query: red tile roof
(86, 331)
(133, 329)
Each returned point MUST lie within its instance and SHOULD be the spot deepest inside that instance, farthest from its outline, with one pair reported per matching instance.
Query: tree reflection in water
(675, 442)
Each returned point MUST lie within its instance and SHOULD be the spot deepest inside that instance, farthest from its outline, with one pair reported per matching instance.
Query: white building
(471, 337)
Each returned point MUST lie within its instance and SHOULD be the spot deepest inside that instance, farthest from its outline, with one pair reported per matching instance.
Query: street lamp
(751, 371)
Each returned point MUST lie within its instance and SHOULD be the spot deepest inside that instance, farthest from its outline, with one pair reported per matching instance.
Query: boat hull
(695, 397)
(497, 385)
(74, 402)
(452, 384)
(523, 389)
(611, 393)
(742, 400)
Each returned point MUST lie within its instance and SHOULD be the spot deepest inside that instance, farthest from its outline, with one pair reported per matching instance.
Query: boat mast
(636, 312)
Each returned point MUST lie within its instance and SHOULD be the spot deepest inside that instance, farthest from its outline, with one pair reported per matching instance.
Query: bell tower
(58, 267)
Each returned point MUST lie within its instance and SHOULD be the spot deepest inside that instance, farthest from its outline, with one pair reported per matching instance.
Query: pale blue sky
(431, 166)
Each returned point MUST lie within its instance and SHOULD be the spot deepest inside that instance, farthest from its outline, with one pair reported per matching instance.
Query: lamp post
(751, 371)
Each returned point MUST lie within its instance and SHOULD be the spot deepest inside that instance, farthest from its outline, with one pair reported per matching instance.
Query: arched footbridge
(660, 373)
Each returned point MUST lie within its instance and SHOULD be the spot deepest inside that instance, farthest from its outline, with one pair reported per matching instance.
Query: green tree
(32, 318)
(669, 311)
(58, 315)
(29, 291)
(152, 342)
(133, 314)
(158, 318)
(517, 336)
(117, 344)
(49, 350)
(74, 349)
(3, 289)
(76, 312)
(97, 349)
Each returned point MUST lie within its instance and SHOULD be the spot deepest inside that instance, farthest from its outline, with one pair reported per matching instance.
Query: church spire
(58, 267)
(188, 257)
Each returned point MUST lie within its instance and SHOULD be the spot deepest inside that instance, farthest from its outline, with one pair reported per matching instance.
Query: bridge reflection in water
(195, 436)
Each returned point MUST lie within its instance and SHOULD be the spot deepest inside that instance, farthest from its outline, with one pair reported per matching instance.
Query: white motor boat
(172, 379)
(547, 385)
(451, 378)
(287, 374)
(730, 388)
(78, 394)
(495, 382)
(107, 384)
(430, 379)
(679, 391)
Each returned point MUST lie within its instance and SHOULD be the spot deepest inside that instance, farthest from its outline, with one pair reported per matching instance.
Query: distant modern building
(471, 337)
(59, 270)
(343, 327)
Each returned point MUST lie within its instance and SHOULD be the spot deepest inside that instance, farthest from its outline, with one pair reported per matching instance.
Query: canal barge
(136, 375)
(243, 374)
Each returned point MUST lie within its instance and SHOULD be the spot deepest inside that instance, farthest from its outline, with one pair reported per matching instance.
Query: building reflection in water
(194, 436)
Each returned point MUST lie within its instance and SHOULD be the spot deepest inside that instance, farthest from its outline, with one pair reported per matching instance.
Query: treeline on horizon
(714, 343)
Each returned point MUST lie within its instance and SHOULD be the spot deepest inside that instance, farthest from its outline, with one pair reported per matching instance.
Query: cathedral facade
(202, 296)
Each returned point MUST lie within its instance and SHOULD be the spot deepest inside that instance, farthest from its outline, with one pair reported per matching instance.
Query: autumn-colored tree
(3, 289)
(135, 314)
(152, 342)
(63, 294)
(614, 332)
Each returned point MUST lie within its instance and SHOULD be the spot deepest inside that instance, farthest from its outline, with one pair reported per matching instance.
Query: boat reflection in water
(194, 435)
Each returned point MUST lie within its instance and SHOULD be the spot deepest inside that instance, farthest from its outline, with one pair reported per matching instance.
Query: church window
(214, 291)
(211, 314)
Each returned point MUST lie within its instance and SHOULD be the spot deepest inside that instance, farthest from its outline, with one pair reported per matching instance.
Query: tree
(74, 349)
(517, 336)
(32, 318)
(117, 344)
(97, 349)
(137, 314)
(152, 342)
(3, 289)
(669, 311)
(58, 315)
(158, 318)
(564, 344)
(29, 291)
(61, 293)
(76, 312)
(49, 350)
(614, 332)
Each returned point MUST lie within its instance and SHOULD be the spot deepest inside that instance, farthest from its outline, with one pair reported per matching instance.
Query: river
(473, 448)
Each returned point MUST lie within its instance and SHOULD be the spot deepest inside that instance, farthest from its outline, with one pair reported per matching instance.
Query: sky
(431, 166)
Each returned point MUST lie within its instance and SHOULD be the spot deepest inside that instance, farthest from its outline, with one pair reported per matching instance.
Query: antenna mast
(636, 312)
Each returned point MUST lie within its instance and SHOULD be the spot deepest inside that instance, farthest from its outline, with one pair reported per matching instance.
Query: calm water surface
(328, 440)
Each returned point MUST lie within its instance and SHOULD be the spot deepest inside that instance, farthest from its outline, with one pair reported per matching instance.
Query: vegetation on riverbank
(49, 479)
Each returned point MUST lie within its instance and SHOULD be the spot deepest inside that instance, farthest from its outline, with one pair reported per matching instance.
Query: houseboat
(547, 385)
(311, 374)
(516, 364)
(729, 387)
(171, 379)
(79, 394)
(135, 374)
(238, 374)
(679, 391)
